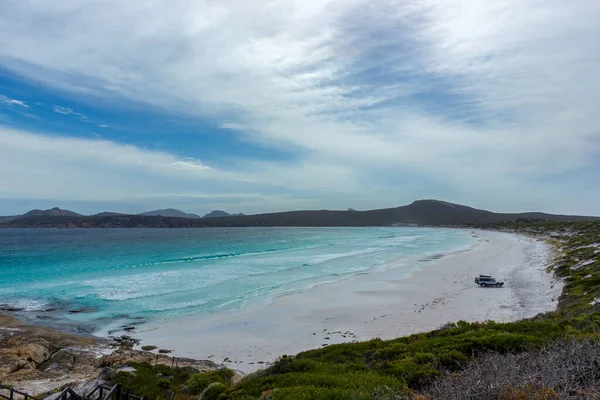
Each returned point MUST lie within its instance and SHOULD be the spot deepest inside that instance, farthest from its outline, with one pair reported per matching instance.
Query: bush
(213, 391)
(452, 360)
(528, 392)
(563, 370)
(155, 382)
(311, 393)
(424, 358)
(197, 383)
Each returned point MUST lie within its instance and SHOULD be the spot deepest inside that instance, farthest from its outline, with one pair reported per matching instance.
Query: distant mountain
(57, 212)
(421, 212)
(169, 212)
(52, 211)
(107, 214)
(217, 214)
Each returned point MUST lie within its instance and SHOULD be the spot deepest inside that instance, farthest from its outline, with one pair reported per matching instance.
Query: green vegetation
(162, 382)
(578, 262)
(199, 382)
(403, 366)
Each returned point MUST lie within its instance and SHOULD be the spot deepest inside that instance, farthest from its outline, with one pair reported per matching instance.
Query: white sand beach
(384, 304)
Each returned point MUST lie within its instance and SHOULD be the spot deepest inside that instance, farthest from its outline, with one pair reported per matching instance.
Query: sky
(260, 106)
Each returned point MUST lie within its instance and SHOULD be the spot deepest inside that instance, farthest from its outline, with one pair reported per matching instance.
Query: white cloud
(13, 102)
(61, 168)
(67, 111)
(496, 98)
(62, 110)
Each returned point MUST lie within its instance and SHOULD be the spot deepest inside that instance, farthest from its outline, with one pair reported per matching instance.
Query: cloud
(74, 169)
(12, 102)
(67, 111)
(492, 99)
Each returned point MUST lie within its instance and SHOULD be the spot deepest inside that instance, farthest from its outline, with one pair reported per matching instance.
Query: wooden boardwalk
(100, 392)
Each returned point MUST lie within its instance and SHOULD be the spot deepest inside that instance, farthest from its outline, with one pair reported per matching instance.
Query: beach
(382, 304)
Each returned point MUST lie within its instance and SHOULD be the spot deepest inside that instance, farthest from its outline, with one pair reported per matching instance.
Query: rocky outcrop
(39, 360)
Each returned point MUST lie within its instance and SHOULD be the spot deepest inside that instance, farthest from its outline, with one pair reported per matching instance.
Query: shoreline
(381, 304)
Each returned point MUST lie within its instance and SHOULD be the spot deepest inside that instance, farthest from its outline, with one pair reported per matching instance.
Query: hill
(53, 212)
(420, 212)
(216, 214)
(56, 212)
(169, 212)
(107, 214)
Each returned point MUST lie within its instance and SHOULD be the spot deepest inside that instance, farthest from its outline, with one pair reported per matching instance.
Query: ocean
(99, 280)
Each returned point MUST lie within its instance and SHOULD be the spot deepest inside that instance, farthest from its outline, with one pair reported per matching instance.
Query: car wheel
(498, 285)
(483, 285)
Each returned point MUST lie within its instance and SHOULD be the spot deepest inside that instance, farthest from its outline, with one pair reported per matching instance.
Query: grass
(413, 363)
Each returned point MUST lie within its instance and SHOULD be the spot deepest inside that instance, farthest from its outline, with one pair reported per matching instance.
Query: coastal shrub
(326, 377)
(569, 368)
(213, 391)
(412, 373)
(528, 392)
(317, 393)
(152, 381)
(452, 360)
(424, 358)
(197, 383)
(308, 393)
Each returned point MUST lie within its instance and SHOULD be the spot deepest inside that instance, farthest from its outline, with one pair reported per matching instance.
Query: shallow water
(92, 279)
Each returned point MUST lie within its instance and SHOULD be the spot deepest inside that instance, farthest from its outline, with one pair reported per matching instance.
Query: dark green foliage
(452, 360)
(213, 391)
(198, 382)
(162, 382)
(154, 382)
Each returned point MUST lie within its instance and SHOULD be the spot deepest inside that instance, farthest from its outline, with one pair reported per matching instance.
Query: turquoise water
(92, 278)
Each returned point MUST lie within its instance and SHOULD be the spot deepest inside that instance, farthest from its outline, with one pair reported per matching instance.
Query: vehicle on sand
(487, 280)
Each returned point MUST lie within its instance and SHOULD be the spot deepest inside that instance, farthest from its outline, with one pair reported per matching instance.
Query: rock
(120, 357)
(164, 351)
(69, 361)
(4, 307)
(35, 352)
(128, 328)
(39, 360)
(80, 310)
(149, 348)
(106, 374)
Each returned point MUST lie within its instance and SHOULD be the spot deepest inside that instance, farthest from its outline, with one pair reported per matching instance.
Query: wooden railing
(100, 392)
(8, 393)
